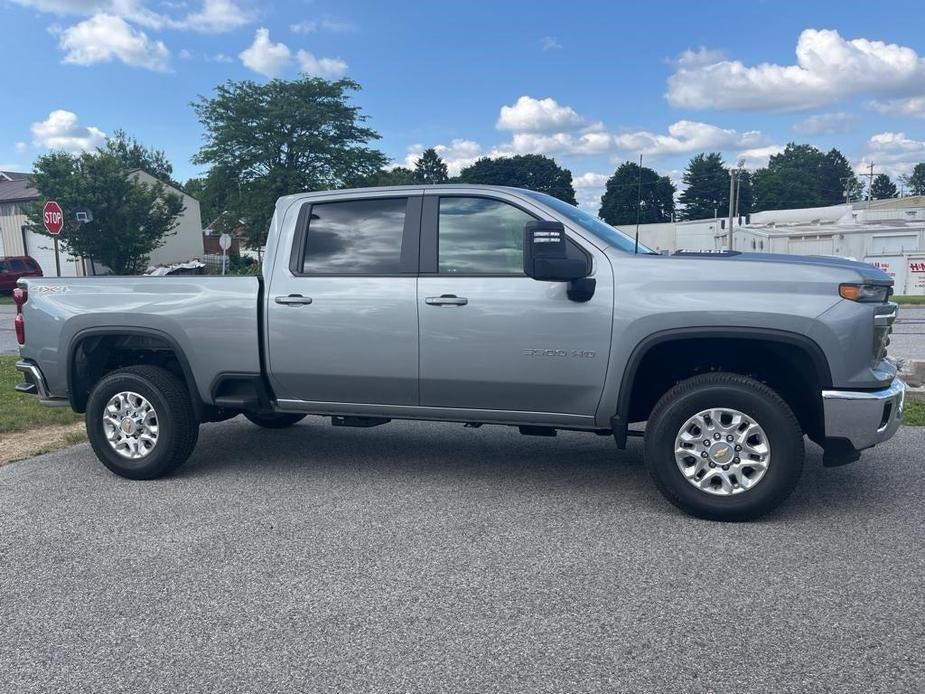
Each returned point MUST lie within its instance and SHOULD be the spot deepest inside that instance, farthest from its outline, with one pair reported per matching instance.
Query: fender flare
(619, 422)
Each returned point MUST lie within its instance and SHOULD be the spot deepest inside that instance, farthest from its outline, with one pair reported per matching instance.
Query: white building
(15, 239)
(887, 233)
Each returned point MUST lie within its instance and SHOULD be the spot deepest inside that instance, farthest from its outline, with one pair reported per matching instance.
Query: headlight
(873, 293)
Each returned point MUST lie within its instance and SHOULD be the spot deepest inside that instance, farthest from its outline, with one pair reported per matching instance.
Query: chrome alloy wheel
(722, 451)
(130, 425)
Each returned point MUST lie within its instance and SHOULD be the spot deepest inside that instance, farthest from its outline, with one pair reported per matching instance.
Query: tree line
(264, 141)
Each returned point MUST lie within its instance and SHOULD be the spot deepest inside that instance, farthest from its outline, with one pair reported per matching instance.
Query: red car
(11, 269)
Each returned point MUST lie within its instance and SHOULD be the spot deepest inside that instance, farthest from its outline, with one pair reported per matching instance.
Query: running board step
(365, 422)
(537, 431)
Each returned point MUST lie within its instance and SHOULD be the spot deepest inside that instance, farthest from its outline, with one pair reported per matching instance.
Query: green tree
(130, 218)
(803, 176)
(531, 171)
(283, 137)
(135, 155)
(399, 176)
(707, 188)
(883, 188)
(430, 168)
(916, 180)
(631, 189)
(215, 192)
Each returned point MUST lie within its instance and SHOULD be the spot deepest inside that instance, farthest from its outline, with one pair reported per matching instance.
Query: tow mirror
(546, 259)
(546, 254)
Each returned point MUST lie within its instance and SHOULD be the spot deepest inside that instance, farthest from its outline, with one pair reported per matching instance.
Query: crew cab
(483, 305)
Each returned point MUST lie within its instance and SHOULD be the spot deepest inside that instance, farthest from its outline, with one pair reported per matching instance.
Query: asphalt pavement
(428, 557)
(7, 334)
(908, 339)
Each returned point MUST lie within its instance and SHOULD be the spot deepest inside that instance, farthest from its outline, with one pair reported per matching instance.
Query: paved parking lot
(7, 335)
(428, 557)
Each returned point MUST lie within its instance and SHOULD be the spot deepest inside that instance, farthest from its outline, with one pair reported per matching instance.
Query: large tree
(531, 171)
(130, 218)
(803, 176)
(283, 137)
(430, 168)
(399, 176)
(882, 188)
(707, 188)
(632, 190)
(135, 155)
(916, 180)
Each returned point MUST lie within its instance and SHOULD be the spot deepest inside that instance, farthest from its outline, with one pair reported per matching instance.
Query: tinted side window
(18, 265)
(481, 236)
(4, 266)
(357, 237)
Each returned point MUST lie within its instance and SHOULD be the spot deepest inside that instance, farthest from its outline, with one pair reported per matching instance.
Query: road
(7, 335)
(908, 339)
(428, 557)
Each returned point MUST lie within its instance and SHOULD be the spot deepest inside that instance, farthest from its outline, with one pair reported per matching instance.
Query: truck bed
(212, 320)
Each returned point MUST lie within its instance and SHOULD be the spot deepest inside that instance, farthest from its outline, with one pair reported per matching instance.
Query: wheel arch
(732, 335)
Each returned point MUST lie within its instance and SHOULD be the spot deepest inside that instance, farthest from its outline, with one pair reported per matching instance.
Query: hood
(867, 272)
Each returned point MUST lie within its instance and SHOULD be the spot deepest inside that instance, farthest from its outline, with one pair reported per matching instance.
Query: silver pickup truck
(483, 305)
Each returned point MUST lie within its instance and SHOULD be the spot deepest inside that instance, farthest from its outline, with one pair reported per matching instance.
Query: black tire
(279, 420)
(749, 397)
(178, 428)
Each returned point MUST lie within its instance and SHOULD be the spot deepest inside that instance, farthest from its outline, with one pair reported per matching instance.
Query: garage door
(42, 249)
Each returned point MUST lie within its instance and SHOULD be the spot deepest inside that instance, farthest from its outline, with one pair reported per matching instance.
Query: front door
(342, 318)
(493, 338)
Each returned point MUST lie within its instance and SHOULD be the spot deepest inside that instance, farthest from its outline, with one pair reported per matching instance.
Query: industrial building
(16, 194)
(887, 233)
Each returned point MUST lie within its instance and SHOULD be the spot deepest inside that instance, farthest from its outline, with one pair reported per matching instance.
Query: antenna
(638, 202)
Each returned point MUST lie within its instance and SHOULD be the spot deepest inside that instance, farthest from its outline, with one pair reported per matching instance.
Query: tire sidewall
(778, 423)
(159, 460)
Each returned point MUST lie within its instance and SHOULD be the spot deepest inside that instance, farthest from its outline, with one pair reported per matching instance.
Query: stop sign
(53, 217)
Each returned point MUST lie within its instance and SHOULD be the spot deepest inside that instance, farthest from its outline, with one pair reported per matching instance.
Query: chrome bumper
(864, 418)
(35, 385)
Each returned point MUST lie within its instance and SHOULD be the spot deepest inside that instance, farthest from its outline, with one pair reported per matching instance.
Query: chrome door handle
(293, 300)
(446, 300)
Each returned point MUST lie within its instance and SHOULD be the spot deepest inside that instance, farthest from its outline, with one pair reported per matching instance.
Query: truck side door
(493, 338)
(342, 324)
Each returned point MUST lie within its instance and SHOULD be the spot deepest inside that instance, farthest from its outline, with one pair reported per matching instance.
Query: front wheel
(722, 446)
(140, 422)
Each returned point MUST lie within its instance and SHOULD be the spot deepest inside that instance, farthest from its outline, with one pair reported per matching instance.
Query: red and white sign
(53, 217)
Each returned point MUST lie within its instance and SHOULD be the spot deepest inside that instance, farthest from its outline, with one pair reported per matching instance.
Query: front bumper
(863, 418)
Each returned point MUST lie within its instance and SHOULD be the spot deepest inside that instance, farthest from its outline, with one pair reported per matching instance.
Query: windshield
(605, 232)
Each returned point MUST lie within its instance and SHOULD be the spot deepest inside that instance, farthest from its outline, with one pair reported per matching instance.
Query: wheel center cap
(127, 426)
(721, 453)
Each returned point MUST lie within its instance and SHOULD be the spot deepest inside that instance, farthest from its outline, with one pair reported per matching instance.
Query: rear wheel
(724, 447)
(140, 422)
(278, 420)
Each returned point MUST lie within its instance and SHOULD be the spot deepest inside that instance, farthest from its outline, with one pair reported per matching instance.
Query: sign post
(53, 218)
(224, 242)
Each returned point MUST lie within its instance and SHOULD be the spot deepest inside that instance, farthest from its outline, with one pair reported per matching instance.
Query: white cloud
(826, 124)
(892, 153)
(21, 147)
(329, 68)
(62, 131)
(757, 157)
(551, 43)
(538, 115)
(185, 54)
(828, 68)
(913, 107)
(214, 16)
(310, 26)
(105, 37)
(219, 58)
(589, 187)
(265, 57)
(686, 136)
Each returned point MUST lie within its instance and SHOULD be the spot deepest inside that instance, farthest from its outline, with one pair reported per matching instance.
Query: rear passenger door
(342, 317)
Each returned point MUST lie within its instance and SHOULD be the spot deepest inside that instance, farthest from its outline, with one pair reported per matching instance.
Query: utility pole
(638, 203)
(732, 194)
(870, 186)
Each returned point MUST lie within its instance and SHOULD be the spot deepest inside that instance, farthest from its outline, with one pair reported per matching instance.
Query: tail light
(20, 297)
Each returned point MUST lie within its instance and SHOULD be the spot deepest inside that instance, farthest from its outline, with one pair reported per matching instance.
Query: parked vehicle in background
(483, 305)
(14, 268)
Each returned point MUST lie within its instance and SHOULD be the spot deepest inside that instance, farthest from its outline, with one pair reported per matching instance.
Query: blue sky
(591, 84)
